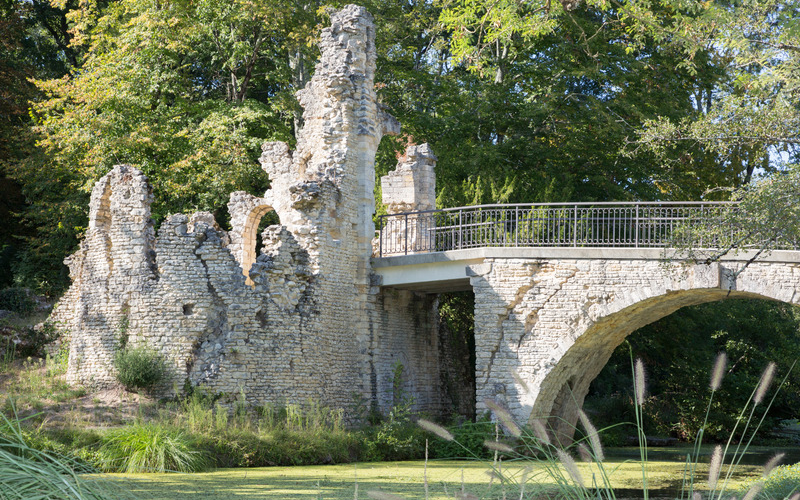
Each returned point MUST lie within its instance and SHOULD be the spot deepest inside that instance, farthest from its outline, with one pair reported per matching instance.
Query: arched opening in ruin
(250, 238)
(584, 375)
(257, 218)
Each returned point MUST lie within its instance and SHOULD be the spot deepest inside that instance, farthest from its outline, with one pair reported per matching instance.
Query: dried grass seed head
(764, 383)
(505, 417)
(772, 463)
(498, 446)
(753, 491)
(435, 429)
(639, 377)
(570, 466)
(714, 467)
(540, 431)
(720, 364)
(594, 438)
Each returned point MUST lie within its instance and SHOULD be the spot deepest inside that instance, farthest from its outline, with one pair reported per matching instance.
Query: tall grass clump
(553, 472)
(150, 447)
(27, 473)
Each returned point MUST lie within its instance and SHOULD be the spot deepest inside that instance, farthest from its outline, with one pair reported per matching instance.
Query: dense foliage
(753, 333)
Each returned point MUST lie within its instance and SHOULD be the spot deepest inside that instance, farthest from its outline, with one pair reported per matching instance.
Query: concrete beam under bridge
(438, 272)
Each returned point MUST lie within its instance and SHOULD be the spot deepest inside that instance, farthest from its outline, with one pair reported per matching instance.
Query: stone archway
(246, 212)
(555, 323)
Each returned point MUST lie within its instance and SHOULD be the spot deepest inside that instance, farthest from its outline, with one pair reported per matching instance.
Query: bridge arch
(565, 386)
(556, 322)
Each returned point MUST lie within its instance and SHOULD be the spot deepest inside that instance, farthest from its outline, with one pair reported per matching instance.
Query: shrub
(397, 437)
(150, 448)
(18, 300)
(139, 368)
(468, 440)
(782, 482)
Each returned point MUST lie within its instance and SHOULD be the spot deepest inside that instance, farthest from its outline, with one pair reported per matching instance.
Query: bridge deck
(449, 271)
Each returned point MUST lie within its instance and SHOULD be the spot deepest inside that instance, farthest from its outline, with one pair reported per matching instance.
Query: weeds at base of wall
(199, 432)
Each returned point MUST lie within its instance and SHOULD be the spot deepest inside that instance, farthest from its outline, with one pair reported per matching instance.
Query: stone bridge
(325, 311)
(559, 286)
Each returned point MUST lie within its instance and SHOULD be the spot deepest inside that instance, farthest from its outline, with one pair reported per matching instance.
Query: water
(756, 455)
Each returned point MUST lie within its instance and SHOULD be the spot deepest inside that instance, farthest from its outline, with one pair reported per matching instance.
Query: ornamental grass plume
(714, 467)
(540, 432)
(498, 446)
(753, 491)
(519, 380)
(584, 453)
(505, 417)
(435, 429)
(719, 370)
(594, 438)
(570, 466)
(772, 463)
(764, 383)
(639, 379)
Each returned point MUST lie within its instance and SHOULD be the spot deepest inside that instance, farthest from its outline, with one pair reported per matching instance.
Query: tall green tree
(34, 43)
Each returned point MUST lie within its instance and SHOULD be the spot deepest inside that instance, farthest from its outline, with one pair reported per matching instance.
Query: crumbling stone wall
(300, 319)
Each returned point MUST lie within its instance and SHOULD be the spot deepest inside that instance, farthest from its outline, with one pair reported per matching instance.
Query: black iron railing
(630, 225)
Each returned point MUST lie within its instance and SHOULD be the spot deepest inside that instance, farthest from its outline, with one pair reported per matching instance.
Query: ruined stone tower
(299, 318)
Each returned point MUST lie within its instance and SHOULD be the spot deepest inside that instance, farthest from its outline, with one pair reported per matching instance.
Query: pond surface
(755, 455)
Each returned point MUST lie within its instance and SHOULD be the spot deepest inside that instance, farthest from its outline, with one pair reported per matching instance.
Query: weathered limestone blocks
(299, 319)
(114, 262)
(556, 322)
(410, 187)
(246, 212)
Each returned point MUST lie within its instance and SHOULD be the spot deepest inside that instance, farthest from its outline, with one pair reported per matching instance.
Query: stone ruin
(304, 317)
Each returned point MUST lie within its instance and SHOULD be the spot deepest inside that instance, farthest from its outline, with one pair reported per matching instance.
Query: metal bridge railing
(632, 225)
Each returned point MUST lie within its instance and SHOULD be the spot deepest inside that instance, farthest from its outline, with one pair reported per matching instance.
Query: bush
(34, 339)
(18, 300)
(397, 437)
(151, 448)
(139, 368)
(782, 482)
(468, 440)
(241, 448)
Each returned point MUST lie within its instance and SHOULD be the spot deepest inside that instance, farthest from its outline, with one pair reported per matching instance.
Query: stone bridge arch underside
(555, 323)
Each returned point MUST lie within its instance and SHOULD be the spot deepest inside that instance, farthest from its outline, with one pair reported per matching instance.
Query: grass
(37, 383)
(184, 435)
(400, 478)
(150, 448)
(27, 473)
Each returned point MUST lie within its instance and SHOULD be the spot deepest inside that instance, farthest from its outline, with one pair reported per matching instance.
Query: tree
(33, 44)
